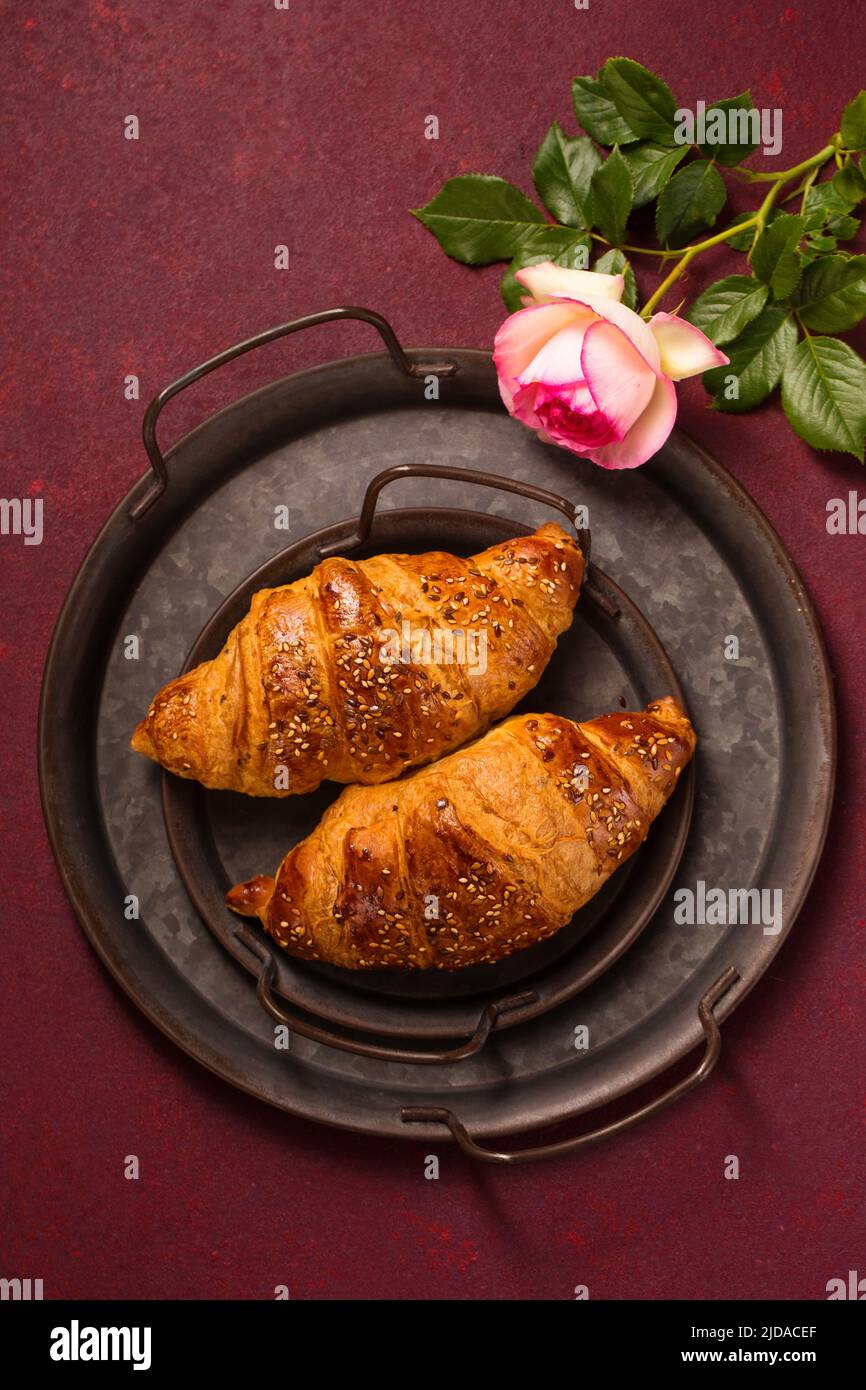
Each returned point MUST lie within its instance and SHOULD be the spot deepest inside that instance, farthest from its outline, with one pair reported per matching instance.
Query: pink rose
(590, 374)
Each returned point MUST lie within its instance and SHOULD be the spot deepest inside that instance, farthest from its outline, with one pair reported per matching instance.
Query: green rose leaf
(574, 257)
(831, 297)
(736, 121)
(479, 218)
(723, 310)
(815, 247)
(774, 259)
(690, 203)
(825, 200)
(824, 395)
(849, 183)
(853, 124)
(562, 174)
(613, 262)
(651, 167)
(758, 358)
(611, 197)
(643, 101)
(843, 227)
(597, 114)
(814, 221)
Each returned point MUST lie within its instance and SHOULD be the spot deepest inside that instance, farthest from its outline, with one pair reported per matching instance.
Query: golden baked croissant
(480, 855)
(366, 668)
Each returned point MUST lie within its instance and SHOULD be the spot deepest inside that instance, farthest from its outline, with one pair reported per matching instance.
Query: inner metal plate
(608, 659)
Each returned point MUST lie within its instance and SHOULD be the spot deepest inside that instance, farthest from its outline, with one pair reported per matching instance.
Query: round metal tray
(680, 537)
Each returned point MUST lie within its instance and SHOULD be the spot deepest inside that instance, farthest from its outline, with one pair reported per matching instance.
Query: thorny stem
(687, 256)
(763, 214)
(778, 180)
(802, 189)
(805, 186)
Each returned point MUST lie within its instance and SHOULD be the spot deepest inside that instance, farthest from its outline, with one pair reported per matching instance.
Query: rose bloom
(590, 374)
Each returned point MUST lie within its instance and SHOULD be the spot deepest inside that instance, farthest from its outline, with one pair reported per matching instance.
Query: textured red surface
(260, 126)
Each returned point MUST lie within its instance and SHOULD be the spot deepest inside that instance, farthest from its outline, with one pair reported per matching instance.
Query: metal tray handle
(462, 475)
(486, 1023)
(283, 330)
(712, 1051)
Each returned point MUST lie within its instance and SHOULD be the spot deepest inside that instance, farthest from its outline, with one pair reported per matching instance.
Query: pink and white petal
(522, 405)
(647, 435)
(625, 318)
(522, 335)
(569, 418)
(548, 281)
(633, 326)
(557, 362)
(683, 349)
(620, 380)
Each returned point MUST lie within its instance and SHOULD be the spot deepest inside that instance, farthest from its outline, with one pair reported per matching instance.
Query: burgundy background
(306, 127)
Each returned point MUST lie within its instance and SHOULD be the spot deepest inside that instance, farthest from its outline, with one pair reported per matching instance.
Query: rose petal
(620, 379)
(633, 326)
(647, 434)
(519, 338)
(683, 349)
(523, 334)
(610, 308)
(569, 417)
(549, 281)
(558, 360)
(522, 405)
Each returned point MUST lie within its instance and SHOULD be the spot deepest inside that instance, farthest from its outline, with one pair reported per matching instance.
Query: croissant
(483, 854)
(364, 669)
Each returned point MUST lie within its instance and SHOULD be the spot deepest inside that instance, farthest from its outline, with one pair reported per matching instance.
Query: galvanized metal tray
(682, 540)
